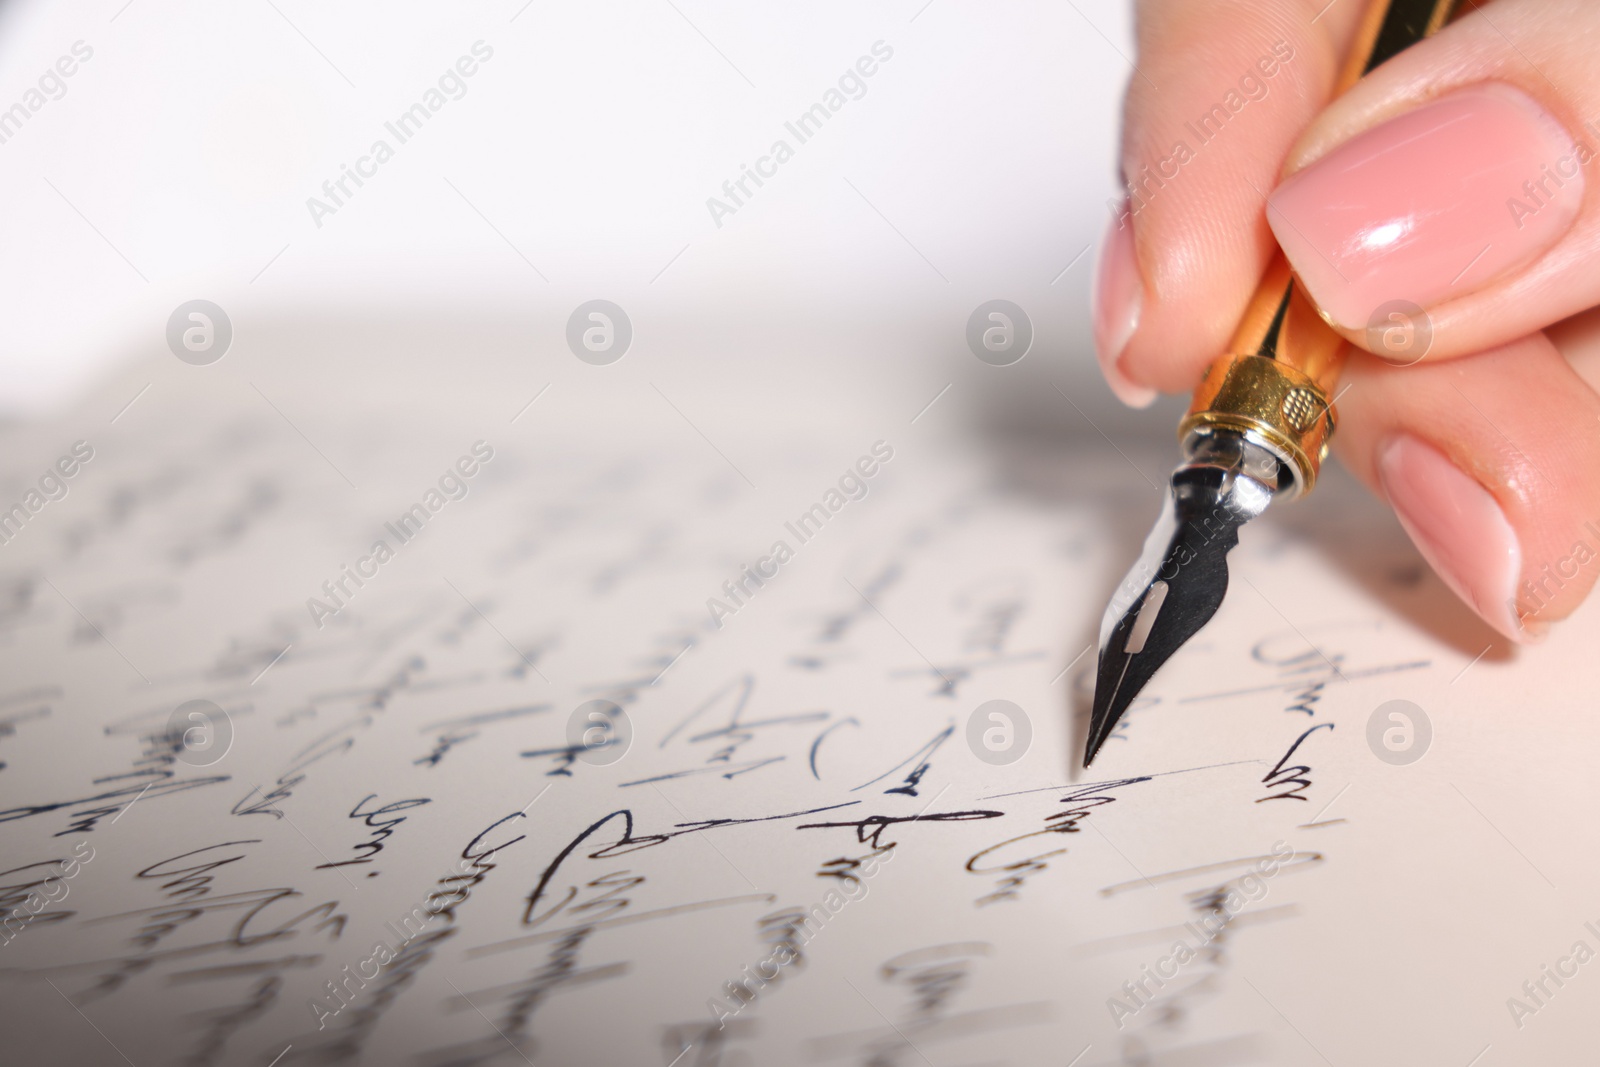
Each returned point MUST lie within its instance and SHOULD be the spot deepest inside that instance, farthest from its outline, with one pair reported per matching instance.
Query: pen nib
(1179, 581)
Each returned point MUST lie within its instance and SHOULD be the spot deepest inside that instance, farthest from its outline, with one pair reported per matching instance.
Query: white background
(589, 144)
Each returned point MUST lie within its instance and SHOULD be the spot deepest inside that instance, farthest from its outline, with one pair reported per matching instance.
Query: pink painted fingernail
(1459, 528)
(1118, 298)
(1430, 206)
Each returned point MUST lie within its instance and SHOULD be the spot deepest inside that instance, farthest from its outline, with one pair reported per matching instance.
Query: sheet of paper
(353, 726)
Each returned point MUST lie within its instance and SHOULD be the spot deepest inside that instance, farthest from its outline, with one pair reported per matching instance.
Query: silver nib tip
(1180, 579)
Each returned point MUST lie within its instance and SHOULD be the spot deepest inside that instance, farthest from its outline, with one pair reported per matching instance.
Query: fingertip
(1118, 303)
(1458, 526)
(1492, 467)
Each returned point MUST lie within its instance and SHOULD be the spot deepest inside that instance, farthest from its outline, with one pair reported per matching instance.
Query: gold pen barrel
(1275, 385)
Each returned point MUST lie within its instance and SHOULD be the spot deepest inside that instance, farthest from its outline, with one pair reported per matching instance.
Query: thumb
(1452, 182)
(1219, 92)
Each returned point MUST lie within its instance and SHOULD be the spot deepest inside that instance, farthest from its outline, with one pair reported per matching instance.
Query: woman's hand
(1454, 192)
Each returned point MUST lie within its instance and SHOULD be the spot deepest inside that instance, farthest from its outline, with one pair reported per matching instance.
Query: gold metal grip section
(1274, 403)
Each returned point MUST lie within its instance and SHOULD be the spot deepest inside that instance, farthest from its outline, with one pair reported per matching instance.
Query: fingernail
(1118, 298)
(1458, 526)
(1430, 206)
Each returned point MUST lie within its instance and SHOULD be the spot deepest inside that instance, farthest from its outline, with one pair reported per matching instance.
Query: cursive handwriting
(1290, 783)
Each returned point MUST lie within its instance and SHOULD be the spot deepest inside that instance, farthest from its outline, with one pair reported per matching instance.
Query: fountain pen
(1257, 429)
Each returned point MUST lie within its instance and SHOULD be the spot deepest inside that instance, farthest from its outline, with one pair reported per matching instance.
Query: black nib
(1180, 579)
